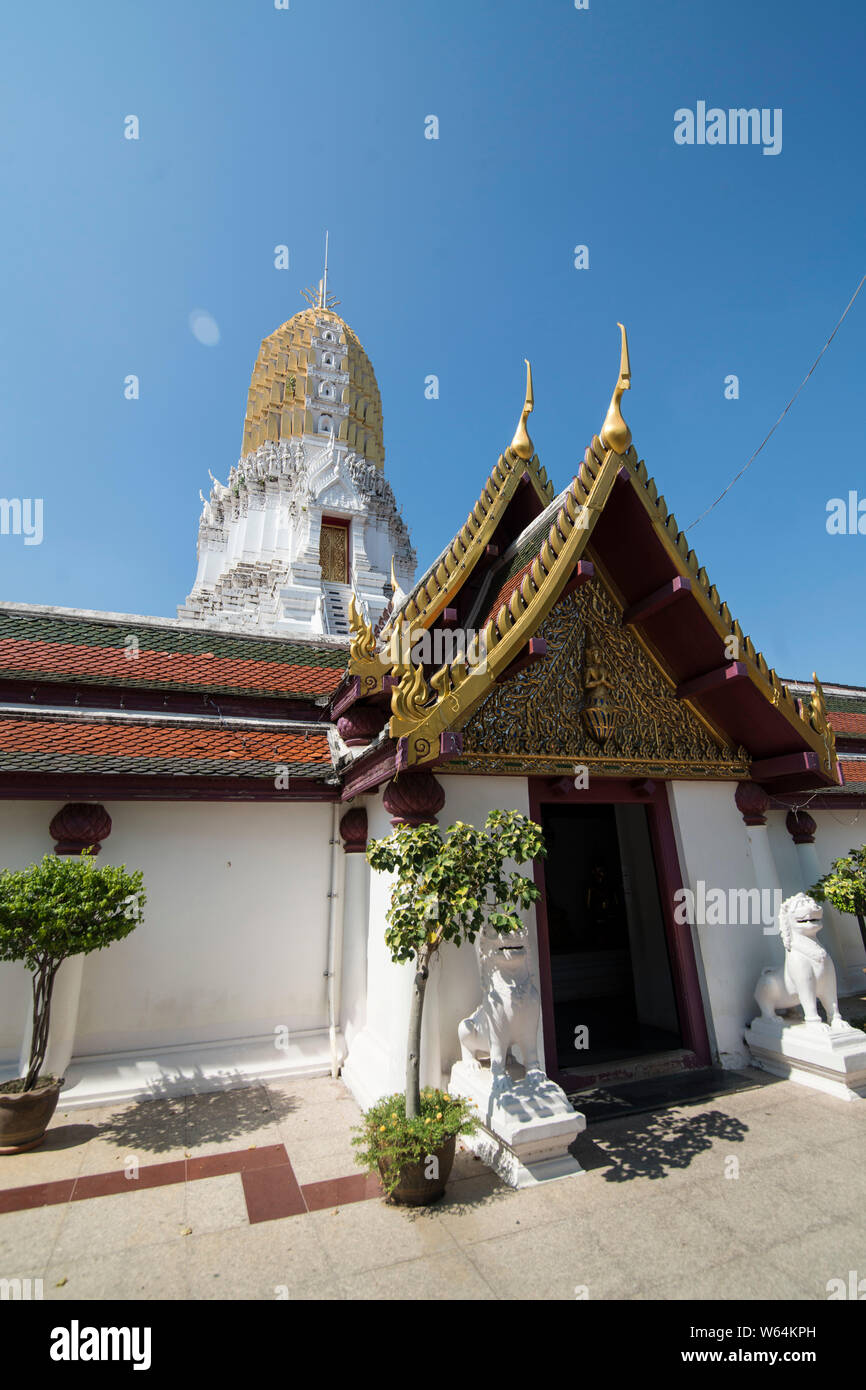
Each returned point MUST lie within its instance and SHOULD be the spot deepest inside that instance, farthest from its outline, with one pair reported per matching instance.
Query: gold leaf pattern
(537, 716)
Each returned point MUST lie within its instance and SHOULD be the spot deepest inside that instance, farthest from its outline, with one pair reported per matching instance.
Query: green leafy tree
(62, 907)
(446, 889)
(844, 887)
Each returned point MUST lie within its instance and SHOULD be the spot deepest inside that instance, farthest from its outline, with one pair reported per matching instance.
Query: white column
(353, 829)
(753, 803)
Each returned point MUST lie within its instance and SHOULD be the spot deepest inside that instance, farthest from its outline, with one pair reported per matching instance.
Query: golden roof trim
(447, 574)
(807, 724)
(461, 687)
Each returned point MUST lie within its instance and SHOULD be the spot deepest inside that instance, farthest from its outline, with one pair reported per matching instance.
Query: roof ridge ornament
(615, 433)
(521, 444)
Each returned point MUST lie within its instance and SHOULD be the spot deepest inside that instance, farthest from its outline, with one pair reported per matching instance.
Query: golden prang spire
(521, 444)
(615, 433)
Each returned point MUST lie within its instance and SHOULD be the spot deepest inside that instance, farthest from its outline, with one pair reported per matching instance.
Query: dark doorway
(612, 988)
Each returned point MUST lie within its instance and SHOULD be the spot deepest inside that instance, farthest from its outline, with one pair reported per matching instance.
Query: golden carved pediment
(597, 698)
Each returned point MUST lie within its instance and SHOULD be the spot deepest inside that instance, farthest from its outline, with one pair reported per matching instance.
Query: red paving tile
(42, 1194)
(271, 1189)
(339, 1192)
(272, 1193)
(151, 1175)
(236, 1161)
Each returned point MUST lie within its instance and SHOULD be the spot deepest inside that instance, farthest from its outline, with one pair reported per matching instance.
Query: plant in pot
(50, 911)
(447, 887)
(844, 886)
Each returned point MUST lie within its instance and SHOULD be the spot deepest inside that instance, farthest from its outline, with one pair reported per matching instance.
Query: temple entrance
(611, 989)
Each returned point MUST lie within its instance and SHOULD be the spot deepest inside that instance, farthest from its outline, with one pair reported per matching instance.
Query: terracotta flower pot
(26, 1115)
(415, 1189)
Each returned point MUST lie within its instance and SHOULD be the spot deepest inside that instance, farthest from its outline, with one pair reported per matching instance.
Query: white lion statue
(507, 1016)
(808, 973)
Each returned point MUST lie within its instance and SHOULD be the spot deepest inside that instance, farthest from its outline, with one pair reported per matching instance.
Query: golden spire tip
(521, 444)
(615, 433)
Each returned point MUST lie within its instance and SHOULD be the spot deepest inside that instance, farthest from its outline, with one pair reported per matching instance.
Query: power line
(768, 436)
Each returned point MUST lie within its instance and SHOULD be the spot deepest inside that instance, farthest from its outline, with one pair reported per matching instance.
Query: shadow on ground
(654, 1145)
(171, 1122)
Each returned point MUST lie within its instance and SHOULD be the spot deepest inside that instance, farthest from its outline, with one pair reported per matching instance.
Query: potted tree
(446, 889)
(49, 911)
(844, 886)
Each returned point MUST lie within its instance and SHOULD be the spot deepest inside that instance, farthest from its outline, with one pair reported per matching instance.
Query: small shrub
(388, 1142)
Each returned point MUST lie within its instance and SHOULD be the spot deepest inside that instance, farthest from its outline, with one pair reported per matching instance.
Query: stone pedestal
(813, 1054)
(527, 1124)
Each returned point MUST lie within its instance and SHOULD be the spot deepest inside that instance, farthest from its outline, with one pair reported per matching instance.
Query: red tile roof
(205, 670)
(844, 723)
(68, 647)
(37, 743)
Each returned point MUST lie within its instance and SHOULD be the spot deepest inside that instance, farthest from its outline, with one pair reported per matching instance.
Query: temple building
(307, 518)
(565, 655)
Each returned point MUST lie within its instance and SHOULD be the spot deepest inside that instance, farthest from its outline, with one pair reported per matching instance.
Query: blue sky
(261, 126)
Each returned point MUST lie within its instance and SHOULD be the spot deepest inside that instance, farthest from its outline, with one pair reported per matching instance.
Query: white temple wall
(255, 526)
(713, 847)
(234, 941)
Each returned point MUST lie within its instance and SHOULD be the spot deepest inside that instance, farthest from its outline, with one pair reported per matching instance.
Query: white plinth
(526, 1126)
(831, 1060)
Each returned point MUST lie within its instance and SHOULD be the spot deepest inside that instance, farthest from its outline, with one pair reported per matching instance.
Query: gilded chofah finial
(521, 444)
(615, 433)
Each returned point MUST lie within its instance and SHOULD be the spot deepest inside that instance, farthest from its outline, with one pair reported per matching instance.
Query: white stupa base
(813, 1054)
(526, 1126)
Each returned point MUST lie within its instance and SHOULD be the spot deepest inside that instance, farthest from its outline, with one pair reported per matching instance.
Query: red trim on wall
(118, 786)
(684, 970)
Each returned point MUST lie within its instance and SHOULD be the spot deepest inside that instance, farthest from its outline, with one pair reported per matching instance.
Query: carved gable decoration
(598, 699)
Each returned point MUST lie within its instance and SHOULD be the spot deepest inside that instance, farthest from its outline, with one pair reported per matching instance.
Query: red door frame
(687, 989)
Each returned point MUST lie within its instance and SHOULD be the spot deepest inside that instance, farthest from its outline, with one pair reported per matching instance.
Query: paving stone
(369, 1235)
(751, 1277)
(60, 1155)
(554, 1261)
(27, 1239)
(143, 1272)
(271, 1261)
(215, 1204)
(150, 1132)
(480, 1208)
(121, 1222)
(829, 1251)
(449, 1275)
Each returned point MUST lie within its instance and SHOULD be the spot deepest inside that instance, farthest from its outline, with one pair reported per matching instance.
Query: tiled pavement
(254, 1194)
